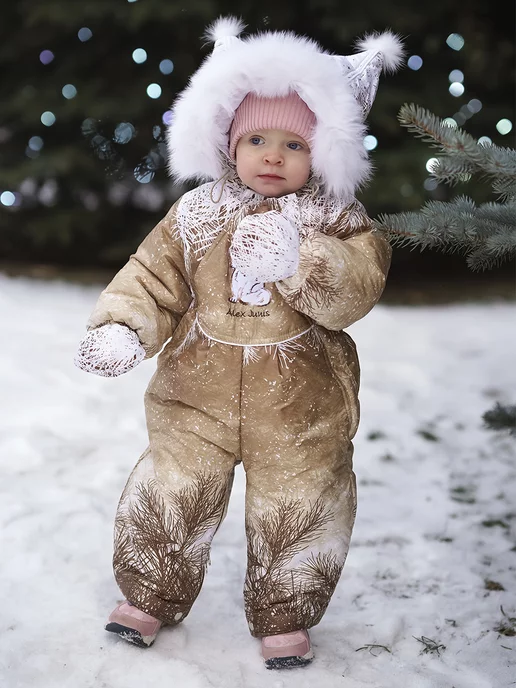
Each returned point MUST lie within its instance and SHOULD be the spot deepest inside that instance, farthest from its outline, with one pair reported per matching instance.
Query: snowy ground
(436, 519)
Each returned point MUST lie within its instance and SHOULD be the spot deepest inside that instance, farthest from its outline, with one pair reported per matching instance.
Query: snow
(436, 516)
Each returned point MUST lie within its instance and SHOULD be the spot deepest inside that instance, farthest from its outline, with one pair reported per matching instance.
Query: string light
(166, 66)
(84, 34)
(46, 56)
(7, 198)
(139, 55)
(455, 41)
(69, 91)
(48, 118)
(456, 75)
(36, 143)
(143, 174)
(415, 62)
(124, 132)
(504, 126)
(456, 89)
(154, 90)
(430, 184)
(370, 142)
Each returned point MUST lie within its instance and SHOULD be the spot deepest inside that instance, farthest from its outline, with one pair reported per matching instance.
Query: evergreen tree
(86, 187)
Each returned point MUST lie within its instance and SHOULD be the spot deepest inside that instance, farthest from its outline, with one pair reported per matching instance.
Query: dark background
(83, 202)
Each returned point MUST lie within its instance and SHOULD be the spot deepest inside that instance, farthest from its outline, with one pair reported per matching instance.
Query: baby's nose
(273, 157)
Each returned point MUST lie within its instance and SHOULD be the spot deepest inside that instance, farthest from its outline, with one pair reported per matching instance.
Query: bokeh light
(48, 118)
(456, 75)
(504, 126)
(139, 55)
(460, 118)
(46, 56)
(450, 122)
(7, 198)
(69, 91)
(124, 132)
(370, 142)
(415, 62)
(485, 141)
(84, 34)
(430, 184)
(475, 105)
(456, 89)
(154, 90)
(431, 163)
(36, 143)
(143, 174)
(167, 117)
(455, 41)
(166, 66)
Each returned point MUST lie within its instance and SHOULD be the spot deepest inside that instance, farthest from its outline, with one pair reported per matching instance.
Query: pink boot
(287, 650)
(133, 625)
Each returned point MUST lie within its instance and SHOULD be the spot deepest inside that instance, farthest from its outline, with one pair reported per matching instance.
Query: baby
(244, 289)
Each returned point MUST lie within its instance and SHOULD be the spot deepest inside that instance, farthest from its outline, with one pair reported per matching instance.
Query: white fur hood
(272, 64)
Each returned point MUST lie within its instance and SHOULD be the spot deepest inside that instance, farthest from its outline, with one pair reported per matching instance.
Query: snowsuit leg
(291, 425)
(177, 495)
(296, 432)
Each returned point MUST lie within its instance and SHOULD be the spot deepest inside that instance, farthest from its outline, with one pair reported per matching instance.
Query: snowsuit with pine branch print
(272, 386)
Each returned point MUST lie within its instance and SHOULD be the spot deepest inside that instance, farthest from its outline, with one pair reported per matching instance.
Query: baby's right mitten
(109, 351)
(265, 246)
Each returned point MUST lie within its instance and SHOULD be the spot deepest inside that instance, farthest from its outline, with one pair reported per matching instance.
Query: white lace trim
(204, 212)
(251, 352)
(220, 341)
(109, 351)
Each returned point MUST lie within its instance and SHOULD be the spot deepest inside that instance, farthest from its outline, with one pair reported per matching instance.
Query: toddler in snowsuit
(244, 289)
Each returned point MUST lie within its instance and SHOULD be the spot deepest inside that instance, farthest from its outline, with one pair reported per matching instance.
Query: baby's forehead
(276, 133)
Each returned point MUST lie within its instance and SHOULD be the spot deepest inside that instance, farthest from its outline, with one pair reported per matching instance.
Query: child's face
(273, 152)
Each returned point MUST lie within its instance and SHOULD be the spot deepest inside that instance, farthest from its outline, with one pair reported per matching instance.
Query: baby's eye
(255, 140)
(294, 143)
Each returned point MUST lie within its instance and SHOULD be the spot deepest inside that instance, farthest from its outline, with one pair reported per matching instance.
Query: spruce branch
(485, 234)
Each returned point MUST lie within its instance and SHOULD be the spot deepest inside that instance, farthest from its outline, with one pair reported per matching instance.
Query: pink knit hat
(290, 113)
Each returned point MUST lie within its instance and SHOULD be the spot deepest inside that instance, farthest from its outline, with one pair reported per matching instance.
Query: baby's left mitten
(109, 351)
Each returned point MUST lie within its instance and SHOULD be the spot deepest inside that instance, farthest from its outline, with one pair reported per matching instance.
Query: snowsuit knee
(261, 374)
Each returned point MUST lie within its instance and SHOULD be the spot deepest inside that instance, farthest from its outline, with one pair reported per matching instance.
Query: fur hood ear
(270, 64)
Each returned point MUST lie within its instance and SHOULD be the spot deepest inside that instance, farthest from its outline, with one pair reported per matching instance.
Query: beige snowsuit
(255, 373)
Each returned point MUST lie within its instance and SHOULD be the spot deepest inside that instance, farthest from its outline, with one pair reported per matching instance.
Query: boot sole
(129, 634)
(289, 662)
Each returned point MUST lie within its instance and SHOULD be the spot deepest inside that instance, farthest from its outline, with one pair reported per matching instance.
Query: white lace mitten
(109, 350)
(265, 246)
